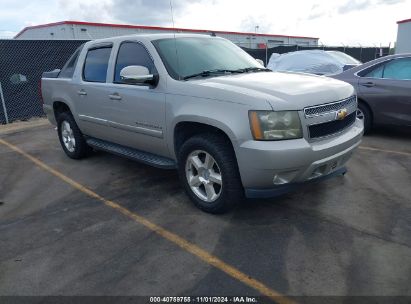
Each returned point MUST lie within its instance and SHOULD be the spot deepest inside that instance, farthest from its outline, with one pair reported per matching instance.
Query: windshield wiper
(252, 69)
(207, 73)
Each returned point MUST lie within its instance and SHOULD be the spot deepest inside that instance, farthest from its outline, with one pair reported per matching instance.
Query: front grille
(335, 106)
(331, 127)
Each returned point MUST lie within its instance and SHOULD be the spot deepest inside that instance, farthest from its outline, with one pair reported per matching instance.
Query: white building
(403, 37)
(76, 30)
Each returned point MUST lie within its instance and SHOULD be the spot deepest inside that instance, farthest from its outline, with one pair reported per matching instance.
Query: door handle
(368, 84)
(115, 96)
(82, 92)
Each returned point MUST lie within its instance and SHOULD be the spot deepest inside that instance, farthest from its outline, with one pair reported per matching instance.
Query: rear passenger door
(91, 102)
(137, 112)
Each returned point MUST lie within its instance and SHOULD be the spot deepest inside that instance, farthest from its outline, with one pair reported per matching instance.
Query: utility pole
(360, 51)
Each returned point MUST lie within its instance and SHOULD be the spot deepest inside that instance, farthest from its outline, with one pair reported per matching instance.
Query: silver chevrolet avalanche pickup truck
(202, 105)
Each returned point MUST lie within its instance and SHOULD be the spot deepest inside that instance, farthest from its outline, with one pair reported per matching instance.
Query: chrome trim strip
(142, 130)
(92, 119)
(109, 123)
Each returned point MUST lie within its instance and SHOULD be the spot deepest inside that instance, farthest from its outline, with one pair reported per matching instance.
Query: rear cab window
(68, 69)
(96, 63)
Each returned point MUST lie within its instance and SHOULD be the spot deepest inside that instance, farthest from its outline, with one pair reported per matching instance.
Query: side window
(68, 70)
(132, 53)
(375, 73)
(398, 69)
(96, 64)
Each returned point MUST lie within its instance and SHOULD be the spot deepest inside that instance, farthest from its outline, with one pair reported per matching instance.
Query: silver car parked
(201, 105)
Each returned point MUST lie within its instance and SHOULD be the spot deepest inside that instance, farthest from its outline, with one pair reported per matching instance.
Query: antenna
(175, 40)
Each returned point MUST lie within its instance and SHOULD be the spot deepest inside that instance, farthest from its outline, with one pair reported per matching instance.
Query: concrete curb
(23, 125)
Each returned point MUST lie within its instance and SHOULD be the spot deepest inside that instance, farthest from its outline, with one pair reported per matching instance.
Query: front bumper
(283, 189)
(270, 165)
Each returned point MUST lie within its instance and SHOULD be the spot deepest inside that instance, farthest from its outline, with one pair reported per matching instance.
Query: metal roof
(153, 28)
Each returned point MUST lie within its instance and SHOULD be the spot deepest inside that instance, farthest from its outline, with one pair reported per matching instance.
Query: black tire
(81, 149)
(367, 117)
(232, 191)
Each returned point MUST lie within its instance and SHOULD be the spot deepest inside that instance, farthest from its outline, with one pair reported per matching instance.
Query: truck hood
(283, 90)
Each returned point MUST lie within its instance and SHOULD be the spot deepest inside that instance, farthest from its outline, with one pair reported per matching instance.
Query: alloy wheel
(68, 136)
(203, 176)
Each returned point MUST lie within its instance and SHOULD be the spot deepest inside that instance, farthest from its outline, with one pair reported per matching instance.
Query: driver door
(137, 111)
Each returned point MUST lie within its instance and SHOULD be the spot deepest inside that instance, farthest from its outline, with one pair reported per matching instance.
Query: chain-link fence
(21, 64)
(23, 61)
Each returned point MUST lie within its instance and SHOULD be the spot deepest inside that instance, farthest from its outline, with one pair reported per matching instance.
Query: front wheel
(209, 173)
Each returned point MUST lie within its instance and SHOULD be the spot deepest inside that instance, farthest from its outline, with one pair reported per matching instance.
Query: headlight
(270, 125)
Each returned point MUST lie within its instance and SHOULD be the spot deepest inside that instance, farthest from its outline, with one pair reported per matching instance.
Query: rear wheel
(209, 173)
(71, 139)
(364, 113)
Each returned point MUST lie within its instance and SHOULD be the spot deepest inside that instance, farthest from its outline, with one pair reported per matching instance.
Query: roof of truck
(151, 37)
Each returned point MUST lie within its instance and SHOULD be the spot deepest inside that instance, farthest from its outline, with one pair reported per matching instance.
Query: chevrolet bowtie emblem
(341, 114)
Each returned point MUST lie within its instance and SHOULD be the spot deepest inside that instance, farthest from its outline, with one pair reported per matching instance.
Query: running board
(133, 154)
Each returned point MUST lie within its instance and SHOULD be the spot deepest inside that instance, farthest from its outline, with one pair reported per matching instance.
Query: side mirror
(137, 74)
(259, 61)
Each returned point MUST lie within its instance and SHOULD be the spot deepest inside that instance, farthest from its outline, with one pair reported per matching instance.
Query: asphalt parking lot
(346, 236)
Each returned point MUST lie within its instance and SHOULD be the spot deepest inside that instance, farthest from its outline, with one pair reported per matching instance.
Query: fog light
(278, 180)
(318, 172)
(285, 177)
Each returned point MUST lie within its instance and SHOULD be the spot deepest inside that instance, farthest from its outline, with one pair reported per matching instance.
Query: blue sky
(336, 22)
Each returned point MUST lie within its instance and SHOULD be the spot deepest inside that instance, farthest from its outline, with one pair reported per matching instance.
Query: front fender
(231, 118)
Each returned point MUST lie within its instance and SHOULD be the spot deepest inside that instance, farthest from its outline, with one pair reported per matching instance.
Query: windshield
(196, 55)
(343, 58)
